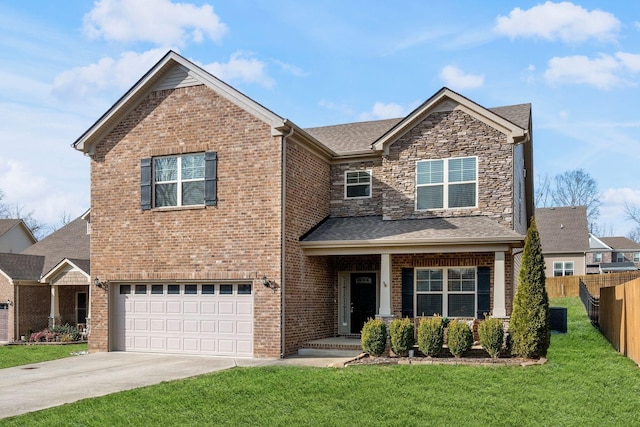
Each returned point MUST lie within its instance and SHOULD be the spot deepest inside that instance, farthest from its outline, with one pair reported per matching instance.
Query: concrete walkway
(43, 385)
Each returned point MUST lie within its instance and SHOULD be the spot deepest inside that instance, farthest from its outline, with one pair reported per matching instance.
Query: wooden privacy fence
(569, 286)
(620, 318)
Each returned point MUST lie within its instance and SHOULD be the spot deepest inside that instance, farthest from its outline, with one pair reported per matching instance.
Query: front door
(82, 308)
(363, 299)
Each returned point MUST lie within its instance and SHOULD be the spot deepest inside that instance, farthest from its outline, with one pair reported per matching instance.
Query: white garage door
(196, 319)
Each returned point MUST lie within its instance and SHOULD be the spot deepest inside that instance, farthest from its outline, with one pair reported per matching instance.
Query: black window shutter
(145, 183)
(211, 178)
(484, 292)
(407, 292)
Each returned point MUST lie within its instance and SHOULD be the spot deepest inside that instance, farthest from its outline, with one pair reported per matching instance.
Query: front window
(449, 292)
(178, 180)
(563, 268)
(620, 257)
(597, 257)
(446, 183)
(357, 184)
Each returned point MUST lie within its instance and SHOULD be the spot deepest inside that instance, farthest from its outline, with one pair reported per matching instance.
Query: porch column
(54, 306)
(499, 287)
(385, 286)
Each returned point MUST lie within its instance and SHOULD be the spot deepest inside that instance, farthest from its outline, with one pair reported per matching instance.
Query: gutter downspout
(284, 240)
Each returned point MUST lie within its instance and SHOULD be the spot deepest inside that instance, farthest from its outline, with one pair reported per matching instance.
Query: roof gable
(73, 264)
(21, 267)
(621, 244)
(7, 225)
(170, 72)
(448, 100)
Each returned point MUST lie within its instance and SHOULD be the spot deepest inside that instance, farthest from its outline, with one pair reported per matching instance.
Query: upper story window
(357, 184)
(181, 180)
(446, 183)
(178, 180)
(597, 257)
(619, 257)
(563, 268)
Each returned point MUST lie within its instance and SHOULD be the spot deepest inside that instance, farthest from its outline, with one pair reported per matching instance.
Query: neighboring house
(46, 284)
(219, 227)
(15, 236)
(564, 236)
(612, 254)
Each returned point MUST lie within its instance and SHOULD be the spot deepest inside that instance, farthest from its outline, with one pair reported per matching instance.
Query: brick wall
(341, 207)
(238, 239)
(444, 135)
(311, 285)
(34, 306)
(67, 302)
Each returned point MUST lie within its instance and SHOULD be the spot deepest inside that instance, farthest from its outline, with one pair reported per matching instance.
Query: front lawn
(585, 382)
(16, 355)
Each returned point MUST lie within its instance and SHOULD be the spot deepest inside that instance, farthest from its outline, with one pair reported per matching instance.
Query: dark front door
(363, 299)
(82, 308)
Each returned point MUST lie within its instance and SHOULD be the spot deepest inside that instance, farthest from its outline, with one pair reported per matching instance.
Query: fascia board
(373, 250)
(58, 267)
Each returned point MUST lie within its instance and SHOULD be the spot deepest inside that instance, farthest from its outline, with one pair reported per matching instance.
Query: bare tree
(633, 214)
(18, 211)
(63, 219)
(578, 188)
(543, 191)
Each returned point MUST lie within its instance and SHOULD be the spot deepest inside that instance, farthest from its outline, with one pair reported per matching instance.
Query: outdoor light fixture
(9, 302)
(104, 285)
(269, 283)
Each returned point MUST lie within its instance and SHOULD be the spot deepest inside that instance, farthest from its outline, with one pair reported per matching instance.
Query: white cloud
(241, 68)
(157, 21)
(381, 110)
(612, 211)
(340, 107)
(603, 72)
(292, 69)
(456, 79)
(107, 73)
(563, 21)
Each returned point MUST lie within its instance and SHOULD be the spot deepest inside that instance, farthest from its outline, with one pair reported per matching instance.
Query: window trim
(597, 257)
(636, 257)
(347, 185)
(445, 290)
(564, 268)
(445, 184)
(179, 181)
(620, 255)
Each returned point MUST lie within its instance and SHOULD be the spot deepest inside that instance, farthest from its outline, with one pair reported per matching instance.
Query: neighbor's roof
(70, 241)
(21, 267)
(373, 231)
(620, 243)
(8, 224)
(611, 267)
(355, 137)
(563, 229)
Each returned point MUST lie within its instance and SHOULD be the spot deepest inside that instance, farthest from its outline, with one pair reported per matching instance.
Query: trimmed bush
(401, 336)
(460, 338)
(430, 335)
(529, 325)
(374, 337)
(491, 334)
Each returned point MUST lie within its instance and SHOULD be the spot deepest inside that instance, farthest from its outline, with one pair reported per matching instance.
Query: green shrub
(529, 325)
(70, 333)
(460, 338)
(430, 335)
(401, 336)
(374, 337)
(491, 334)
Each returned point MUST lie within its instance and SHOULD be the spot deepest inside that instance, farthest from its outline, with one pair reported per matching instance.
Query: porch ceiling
(372, 234)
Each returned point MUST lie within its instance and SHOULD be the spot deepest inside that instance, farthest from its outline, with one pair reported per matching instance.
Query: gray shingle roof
(375, 229)
(21, 267)
(70, 241)
(353, 137)
(8, 224)
(563, 229)
(620, 243)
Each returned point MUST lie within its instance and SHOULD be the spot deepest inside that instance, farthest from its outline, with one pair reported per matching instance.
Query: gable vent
(177, 77)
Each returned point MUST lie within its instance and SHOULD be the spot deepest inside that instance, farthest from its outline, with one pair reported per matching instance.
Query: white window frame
(445, 291)
(636, 257)
(445, 183)
(178, 181)
(564, 267)
(597, 257)
(620, 255)
(347, 184)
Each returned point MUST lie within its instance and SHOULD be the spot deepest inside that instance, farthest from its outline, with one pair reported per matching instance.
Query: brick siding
(34, 306)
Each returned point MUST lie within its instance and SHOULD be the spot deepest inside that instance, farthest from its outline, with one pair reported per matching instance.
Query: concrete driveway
(38, 386)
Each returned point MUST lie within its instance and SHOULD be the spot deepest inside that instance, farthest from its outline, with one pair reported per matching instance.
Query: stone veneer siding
(443, 135)
(342, 207)
(238, 240)
(310, 285)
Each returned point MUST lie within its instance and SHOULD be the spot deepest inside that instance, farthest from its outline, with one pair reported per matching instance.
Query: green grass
(584, 383)
(16, 355)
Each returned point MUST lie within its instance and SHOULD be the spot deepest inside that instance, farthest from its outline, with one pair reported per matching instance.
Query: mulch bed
(474, 357)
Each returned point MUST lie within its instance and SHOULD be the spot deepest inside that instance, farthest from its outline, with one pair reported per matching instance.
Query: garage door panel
(212, 321)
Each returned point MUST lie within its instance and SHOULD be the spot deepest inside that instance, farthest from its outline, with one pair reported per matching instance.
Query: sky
(63, 64)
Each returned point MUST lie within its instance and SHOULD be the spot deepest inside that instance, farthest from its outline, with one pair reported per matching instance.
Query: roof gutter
(283, 199)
